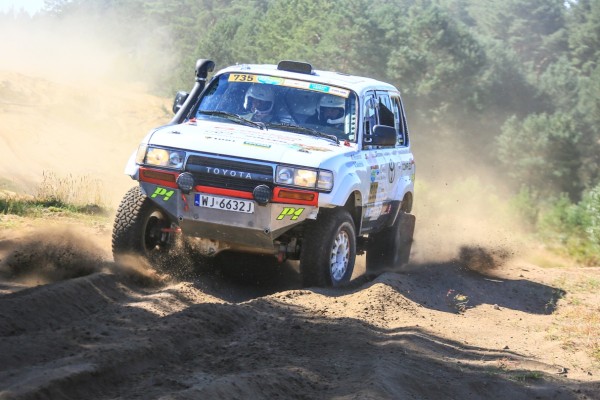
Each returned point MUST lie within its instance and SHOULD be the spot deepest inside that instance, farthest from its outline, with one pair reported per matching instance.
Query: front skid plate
(256, 230)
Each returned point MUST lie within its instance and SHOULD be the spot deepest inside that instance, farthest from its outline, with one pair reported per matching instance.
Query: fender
(350, 183)
(131, 168)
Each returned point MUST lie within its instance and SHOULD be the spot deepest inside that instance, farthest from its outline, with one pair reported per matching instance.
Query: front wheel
(140, 228)
(329, 250)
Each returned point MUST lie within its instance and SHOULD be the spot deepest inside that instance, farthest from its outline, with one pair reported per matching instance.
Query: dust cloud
(462, 208)
(73, 105)
(46, 254)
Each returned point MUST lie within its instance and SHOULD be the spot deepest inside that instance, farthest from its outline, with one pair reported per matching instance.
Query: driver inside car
(259, 101)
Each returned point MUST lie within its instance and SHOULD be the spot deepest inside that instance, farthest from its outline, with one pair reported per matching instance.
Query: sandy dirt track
(97, 330)
(462, 321)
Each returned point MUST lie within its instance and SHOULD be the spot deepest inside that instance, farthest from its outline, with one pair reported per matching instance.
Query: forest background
(509, 87)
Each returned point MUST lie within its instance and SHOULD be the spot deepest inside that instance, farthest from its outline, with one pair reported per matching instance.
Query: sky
(30, 6)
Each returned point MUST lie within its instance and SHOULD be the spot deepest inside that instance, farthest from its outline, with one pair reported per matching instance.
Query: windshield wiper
(234, 118)
(303, 129)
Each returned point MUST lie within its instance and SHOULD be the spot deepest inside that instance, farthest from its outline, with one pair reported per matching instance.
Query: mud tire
(329, 250)
(138, 228)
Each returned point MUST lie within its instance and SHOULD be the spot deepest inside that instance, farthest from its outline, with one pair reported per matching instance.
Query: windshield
(277, 102)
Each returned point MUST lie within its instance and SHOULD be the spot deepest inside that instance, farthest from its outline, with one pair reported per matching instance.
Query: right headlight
(304, 178)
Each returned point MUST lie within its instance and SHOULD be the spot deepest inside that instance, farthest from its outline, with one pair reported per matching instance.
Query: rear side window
(399, 122)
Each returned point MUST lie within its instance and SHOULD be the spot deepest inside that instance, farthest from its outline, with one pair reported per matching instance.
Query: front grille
(229, 174)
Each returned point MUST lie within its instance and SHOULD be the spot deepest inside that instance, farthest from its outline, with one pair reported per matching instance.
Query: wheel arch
(354, 206)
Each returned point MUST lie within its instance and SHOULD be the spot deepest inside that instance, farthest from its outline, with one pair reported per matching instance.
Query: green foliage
(533, 29)
(574, 227)
(525, 203)
(542, 153)
(437, 60)
(591, 205)
(54, 194)
(38, 208)
(583, 21)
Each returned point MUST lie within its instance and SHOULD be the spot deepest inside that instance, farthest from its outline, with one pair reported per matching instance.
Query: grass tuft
(57, 195)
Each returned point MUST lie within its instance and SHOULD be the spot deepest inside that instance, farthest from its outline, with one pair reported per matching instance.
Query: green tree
(437, 60)
(583, 21)
(533, 29)
(541, 153)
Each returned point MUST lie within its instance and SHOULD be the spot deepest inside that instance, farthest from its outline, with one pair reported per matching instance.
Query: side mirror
(180, 98)
(382, 135)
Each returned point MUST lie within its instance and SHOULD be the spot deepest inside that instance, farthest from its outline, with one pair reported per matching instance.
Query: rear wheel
(141, 228)
(391, 247)
(329, 250)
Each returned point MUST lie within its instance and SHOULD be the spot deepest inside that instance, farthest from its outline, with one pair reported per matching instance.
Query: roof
(358, 84)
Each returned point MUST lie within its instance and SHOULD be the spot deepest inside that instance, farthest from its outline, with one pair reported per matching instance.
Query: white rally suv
(280, 160)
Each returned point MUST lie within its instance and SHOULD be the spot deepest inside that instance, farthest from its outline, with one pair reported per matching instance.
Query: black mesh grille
(229, 174)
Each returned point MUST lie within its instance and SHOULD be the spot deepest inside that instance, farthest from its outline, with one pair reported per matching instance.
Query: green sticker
(164, 193)
(292, 212)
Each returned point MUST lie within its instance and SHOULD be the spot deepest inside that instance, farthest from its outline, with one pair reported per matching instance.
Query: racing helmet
(331, 109)
(264, 95)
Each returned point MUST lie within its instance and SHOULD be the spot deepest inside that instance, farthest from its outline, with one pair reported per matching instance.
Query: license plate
(224, 203)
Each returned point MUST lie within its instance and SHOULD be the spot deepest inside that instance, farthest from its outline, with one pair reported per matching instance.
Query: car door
(380, 161)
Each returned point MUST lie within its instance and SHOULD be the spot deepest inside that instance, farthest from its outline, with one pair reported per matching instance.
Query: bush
(574, 227)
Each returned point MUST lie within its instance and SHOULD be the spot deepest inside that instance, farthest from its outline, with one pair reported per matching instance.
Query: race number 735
(242, 78)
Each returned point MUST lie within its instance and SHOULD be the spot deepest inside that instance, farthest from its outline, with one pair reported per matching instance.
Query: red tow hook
(281, 255)
(171, 230)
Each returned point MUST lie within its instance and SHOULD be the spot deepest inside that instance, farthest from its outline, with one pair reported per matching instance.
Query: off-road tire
(138, 228)
(329, 250)
(390, 248)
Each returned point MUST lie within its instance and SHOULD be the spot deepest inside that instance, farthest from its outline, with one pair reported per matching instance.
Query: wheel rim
(154, 237)
(340, 254)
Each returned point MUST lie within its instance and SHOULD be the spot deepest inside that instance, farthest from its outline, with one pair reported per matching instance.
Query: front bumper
(257, 232)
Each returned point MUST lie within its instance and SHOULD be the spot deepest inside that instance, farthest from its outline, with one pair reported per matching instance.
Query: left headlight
(305, 178)
(167, 158)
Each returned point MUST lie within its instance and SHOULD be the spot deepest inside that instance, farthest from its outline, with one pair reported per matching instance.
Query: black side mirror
(180, 98)
(381, 135)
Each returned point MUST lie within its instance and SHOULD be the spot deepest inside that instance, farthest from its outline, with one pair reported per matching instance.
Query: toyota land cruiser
(280, 160)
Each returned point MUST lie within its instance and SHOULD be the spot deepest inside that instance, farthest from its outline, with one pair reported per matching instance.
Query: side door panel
(381, 169)
(389, 171)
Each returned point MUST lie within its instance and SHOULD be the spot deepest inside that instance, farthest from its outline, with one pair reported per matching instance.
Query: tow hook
(282, 254)
(171, 230)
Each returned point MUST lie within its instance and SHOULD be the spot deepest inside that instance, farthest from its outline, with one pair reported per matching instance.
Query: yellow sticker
(242, 78)
(292, 212)
(273, 80)
(162, 192)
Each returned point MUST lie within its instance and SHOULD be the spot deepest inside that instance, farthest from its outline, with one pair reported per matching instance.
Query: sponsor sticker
(265, 146)
(291, 212)
(163, 193)
(273, 80)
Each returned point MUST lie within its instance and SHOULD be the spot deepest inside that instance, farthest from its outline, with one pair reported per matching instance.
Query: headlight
(164, 157)
(325, 181)
(305, 178)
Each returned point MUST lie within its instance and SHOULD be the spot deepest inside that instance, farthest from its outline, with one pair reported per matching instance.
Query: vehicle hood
(234, 140)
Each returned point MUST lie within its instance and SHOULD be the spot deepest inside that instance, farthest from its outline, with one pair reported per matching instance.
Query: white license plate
(224, 203)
